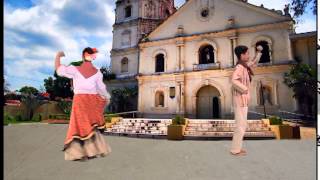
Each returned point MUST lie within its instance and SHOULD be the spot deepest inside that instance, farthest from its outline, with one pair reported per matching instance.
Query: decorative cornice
(216, 34)
(115, 52)
(221, 73)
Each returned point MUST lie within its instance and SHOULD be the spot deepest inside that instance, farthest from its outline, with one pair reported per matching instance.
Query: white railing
(198, 67)
(123, 76)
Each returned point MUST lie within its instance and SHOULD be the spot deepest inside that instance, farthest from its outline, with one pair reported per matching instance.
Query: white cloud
(33, 36)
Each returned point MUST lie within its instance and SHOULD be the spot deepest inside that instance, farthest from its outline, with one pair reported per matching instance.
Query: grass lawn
(14, 121)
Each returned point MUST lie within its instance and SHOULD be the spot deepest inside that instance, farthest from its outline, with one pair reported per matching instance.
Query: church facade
(184, 64)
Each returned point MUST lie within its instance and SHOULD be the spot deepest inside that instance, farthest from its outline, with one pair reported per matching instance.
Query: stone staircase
(218, 129)
(195, 129)
(140, 127)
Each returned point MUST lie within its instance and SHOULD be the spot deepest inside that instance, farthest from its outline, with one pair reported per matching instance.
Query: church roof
(241, 2)
(304, 35)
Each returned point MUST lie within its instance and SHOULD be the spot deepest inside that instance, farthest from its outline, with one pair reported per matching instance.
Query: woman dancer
(241, 79)
(84, 137)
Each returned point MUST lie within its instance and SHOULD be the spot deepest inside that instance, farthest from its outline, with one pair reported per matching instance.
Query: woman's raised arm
(256, 59)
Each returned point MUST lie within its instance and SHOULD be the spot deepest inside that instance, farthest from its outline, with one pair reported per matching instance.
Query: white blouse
(81, 85)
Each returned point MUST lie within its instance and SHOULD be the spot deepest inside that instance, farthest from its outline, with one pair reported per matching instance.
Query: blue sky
(34, 30)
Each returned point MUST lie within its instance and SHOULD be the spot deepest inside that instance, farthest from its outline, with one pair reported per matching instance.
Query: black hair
(88, 50)
(241, 49)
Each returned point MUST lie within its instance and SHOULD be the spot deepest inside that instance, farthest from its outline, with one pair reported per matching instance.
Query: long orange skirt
(86, 127)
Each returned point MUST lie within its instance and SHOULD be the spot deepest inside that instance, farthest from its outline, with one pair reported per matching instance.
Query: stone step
(218, 121)
(230, 134)
(226, 129)
(224, 125)
(201, 128)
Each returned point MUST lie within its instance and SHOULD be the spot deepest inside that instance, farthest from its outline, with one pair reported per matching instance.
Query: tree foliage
(122, 98)
(303, 81)
(29, 90)
(58, 87)
(299, 7)
(31, 103)
(107, 73)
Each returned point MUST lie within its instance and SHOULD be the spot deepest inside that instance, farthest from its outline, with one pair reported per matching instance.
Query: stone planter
(308, 133)
(266, 121)
(114, 120)
(176, 132)
(282, 131)
(109, 125)
(296, 132)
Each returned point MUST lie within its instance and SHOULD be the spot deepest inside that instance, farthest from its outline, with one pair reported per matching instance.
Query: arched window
(159, 99)
(126, 38)
(265, 96)
(265, 58)
(128, 11)
(206, 54)
(124, 65)
(159, 63)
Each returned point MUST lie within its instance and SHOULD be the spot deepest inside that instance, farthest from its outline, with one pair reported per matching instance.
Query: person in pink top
(84, 138)
(241, 79)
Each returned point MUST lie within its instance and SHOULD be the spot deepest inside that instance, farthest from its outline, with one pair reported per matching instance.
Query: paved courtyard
(33, 152)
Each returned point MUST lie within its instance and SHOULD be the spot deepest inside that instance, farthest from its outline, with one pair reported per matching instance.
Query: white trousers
(240, 116)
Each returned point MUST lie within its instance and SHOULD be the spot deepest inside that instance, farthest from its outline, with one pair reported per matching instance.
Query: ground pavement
(33, 152)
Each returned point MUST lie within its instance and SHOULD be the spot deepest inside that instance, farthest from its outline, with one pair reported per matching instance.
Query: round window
(205, 13)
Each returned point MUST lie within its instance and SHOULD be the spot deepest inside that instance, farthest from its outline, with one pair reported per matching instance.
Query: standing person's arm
(102, 89)
(256, 59)
(235, 80)
(62, 70)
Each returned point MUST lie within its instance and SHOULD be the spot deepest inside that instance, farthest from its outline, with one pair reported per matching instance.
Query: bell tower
(133, 20)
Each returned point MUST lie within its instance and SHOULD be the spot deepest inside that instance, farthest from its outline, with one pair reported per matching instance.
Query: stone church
(182, 59)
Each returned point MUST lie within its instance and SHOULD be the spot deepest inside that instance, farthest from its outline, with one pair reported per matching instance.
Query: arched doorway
(208, 103)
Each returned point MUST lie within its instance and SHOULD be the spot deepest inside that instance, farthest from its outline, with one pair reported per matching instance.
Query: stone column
(177, 97)
(180, 55)
(234, 45)
(178, 59)
(182, 102)
(140, 100)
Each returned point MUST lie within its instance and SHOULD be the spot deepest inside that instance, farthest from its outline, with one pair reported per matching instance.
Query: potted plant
(282, 131)
(111, 119)
(177, 128)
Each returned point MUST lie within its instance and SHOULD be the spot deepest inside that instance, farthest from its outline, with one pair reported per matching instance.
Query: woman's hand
(60, 54)
(57, 60)
(259, 48)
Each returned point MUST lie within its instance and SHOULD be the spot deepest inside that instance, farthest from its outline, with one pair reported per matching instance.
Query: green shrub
(7, 119)
(108, 117)
(65, 106)
(19, 117)
(37, 118)
(178, 120)
(275, 120)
